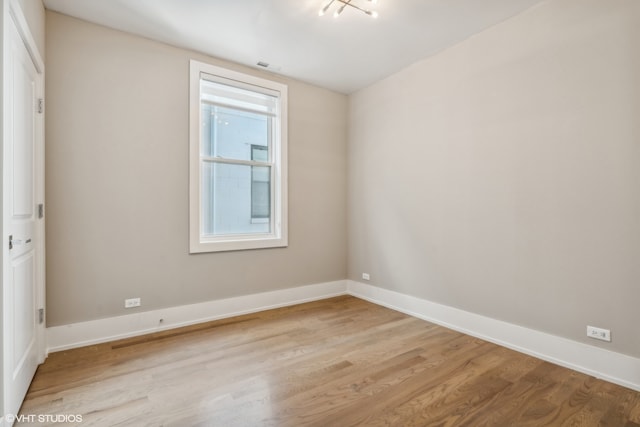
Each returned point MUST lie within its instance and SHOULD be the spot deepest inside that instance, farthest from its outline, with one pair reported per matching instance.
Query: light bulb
(324, 9)
(371, 13)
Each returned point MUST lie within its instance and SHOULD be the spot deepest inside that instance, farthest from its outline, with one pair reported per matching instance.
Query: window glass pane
(260, 192)
(230, 133)
(259, 153)
(228, 198)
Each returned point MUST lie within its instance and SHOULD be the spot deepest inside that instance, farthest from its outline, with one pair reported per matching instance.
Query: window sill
(240, 244)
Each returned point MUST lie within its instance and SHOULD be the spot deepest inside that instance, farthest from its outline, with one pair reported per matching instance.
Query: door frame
(12, 15)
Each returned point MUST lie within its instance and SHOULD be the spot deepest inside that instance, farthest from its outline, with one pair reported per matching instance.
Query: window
(238, 175)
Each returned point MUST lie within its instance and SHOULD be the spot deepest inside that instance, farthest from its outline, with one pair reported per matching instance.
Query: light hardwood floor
(336, 362)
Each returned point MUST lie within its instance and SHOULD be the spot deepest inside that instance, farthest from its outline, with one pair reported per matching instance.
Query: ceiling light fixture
(345, 3)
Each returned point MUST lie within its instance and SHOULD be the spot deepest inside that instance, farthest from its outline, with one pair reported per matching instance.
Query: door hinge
(40, 210)
(41, 315)
(40, 105)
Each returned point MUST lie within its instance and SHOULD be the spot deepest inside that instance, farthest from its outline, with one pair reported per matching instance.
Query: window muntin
(238, 161)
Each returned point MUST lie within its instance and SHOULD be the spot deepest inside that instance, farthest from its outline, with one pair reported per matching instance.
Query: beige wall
(117, 181)
(502, 176)
(33, 11)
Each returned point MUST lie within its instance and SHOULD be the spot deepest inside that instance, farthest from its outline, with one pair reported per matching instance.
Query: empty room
(320, 213)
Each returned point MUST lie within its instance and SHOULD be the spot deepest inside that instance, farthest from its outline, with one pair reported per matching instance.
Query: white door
(22, 334)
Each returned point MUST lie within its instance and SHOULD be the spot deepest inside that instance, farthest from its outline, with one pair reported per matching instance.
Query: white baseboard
(103, 330)
(608, 365)
(611, 366)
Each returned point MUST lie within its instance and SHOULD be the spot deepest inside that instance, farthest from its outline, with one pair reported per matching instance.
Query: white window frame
(278, 234)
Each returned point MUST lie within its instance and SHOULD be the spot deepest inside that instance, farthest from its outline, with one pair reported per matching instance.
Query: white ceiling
(344, 54)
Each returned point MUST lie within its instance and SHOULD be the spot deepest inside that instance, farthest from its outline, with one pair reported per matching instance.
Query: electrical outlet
(599, 333)
(366, 276)
(132, 302)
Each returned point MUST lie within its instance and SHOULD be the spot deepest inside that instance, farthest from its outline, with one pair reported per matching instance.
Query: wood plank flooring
(336, 362)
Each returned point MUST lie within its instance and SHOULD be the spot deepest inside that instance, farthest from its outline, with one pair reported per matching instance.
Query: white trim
(608, 365)
(605, 364)
(25, 32)
(113, 328)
